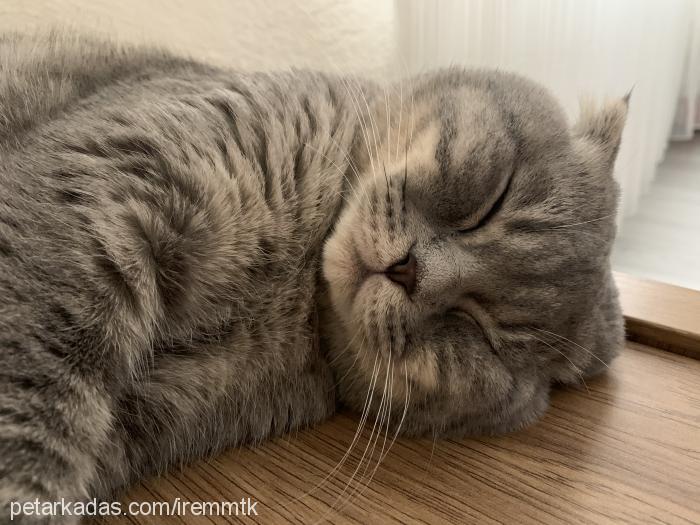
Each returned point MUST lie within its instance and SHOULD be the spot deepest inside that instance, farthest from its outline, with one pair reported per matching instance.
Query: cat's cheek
(416, 375)
(422, 371)
(338, 271)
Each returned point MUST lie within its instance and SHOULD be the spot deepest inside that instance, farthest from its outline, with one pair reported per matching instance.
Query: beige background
(348, 35)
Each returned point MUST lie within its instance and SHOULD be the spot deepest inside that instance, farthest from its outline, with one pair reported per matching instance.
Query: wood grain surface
(624, 449)
(661, 315)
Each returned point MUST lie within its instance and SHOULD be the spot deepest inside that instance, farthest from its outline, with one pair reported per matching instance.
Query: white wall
(350, 35)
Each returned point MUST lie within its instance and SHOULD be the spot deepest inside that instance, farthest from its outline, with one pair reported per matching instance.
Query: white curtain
(600, 48)
(688, 111)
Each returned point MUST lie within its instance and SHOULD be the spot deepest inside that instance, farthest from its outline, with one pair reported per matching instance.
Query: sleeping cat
(193, 258)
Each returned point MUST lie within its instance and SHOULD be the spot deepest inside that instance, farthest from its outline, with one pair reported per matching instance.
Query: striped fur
(181, 247)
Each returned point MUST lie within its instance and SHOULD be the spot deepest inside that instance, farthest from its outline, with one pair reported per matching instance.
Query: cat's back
(174, 188)
(66, 96)
(43, 75)
(161, 224)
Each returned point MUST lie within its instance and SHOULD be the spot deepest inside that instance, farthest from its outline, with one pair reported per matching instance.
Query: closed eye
(491, 213)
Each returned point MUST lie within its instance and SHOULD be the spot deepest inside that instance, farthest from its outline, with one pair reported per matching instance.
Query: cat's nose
(404, 272)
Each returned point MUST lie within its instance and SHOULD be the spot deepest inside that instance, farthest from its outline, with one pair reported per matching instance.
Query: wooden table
(623, 449)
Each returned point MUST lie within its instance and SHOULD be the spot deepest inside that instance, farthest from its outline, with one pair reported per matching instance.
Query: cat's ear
(601, 126)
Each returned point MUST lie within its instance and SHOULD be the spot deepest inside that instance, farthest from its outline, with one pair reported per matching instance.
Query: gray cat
(193, 258)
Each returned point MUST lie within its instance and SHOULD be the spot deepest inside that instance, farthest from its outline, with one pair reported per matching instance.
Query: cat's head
(469, 269)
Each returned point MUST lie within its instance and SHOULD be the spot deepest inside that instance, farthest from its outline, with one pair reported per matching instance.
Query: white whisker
(358, 432)
(576, 368)
(360, 428)
(574, 343)
(559, 227)
(398, 131)
(405, 411)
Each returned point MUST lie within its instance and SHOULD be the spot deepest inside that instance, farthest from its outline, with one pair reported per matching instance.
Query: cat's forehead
(463, 129)
(461, 119)
(473, 134)
(473, 127)
(484, 102)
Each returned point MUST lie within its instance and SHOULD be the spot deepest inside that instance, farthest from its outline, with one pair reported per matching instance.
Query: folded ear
(602, 126)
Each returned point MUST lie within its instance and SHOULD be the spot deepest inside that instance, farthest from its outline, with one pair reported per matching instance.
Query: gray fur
(181, 247)
(511, 216)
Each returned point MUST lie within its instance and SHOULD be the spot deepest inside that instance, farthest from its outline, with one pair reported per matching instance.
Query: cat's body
(165, 228)
(158, 262)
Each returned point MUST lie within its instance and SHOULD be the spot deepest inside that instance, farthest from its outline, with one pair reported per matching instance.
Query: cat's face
(469, 268)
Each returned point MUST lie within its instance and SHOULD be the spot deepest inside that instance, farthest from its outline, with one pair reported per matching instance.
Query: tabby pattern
(184, 250)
